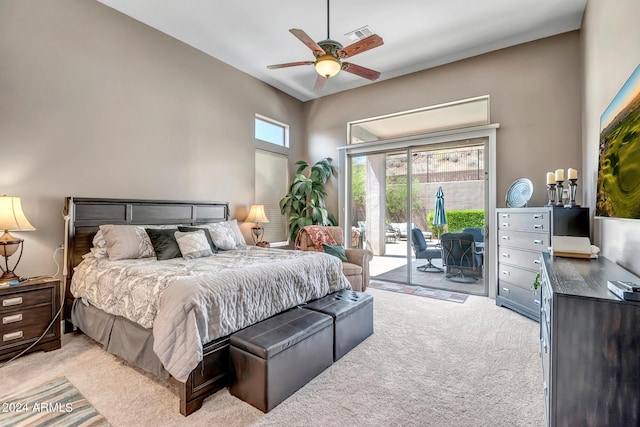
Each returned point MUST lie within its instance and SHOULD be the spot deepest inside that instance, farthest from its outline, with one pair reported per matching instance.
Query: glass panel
(460, 114)
(270, 131)
(271, 184)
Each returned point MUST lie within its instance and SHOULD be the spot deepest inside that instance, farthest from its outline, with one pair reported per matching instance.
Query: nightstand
(25, 312)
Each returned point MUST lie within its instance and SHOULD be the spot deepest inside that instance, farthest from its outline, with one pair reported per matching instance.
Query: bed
(182, 331)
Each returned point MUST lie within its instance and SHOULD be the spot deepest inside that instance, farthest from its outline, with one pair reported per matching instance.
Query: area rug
(420, 291)
(55, 403)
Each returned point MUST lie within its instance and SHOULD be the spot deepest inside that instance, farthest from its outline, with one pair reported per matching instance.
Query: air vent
(359, 34)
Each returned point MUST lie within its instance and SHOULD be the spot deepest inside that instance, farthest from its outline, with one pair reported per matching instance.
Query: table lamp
(11, 219)
(257, 215)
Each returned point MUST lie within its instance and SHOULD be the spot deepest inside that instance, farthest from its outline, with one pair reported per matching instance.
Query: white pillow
(222, 236)
(127, 242)
(193, 244)
(237, 234)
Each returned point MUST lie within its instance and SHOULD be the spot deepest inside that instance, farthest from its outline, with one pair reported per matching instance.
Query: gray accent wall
(96, 104)
(611, 51)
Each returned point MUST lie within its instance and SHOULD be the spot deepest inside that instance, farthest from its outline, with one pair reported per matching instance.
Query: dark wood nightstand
(25, 312)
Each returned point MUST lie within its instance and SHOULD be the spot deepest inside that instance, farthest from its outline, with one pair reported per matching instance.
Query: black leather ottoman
(353, 318)
(272, 359)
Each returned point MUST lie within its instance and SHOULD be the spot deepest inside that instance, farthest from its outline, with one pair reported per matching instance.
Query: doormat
(55, 403)
(420, 291)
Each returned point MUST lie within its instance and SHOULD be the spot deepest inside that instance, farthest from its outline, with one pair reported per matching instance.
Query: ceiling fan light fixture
(327, 66)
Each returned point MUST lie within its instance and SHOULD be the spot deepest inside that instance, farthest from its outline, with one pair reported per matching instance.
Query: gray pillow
(193, 244)
(126, 242)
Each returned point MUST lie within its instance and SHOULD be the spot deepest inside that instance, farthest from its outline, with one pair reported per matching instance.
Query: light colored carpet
(428, 363)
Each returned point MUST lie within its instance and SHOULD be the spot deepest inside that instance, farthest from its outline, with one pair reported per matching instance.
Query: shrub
(458, 220)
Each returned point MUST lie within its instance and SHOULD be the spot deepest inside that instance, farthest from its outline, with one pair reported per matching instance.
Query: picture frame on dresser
(523, 235)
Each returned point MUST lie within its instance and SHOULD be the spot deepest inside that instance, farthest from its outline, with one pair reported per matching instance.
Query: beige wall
(611, 51)
(535, 97)
(95, 104)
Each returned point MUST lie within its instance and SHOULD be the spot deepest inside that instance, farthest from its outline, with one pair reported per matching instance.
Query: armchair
(422, 251)
(478, 239)
(458, 256)
(356, 268)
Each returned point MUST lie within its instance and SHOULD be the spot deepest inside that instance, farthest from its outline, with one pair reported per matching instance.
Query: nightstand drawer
(18, 300)
(33, 324)
(38, 317)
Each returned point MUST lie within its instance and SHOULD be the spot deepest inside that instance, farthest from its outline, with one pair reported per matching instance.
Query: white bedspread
(191, 302)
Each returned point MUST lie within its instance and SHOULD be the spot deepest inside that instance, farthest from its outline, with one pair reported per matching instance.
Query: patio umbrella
(439, 217)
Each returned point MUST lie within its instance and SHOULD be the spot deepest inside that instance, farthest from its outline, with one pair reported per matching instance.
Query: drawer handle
(536, 261)
(537, 301)
(505, 273)
(505, 237)
(507, 290)
(538, 216)
(505, 224)
(506, 255)
(537, 226)
(537, 242)
(12, 319)
(12, 301)
(505, 216)
(12, 336)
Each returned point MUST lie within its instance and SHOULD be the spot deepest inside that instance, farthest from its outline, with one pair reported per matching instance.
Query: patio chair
(459, 256)
(478, 238)
(422, 251)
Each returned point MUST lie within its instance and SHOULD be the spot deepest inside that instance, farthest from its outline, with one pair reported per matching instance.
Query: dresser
(26, 310)
(589, 344)
(523, 234)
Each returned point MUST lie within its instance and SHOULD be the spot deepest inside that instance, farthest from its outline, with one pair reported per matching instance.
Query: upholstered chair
(356, 269)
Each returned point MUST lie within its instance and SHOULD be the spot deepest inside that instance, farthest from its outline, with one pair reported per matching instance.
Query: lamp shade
(327, 66)
(11, 216)
(256, 214)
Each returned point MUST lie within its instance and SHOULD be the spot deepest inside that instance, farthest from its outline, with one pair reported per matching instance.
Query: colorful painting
(619, 160)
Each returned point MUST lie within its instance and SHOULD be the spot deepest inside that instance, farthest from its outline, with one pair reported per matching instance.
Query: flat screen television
(618, 188)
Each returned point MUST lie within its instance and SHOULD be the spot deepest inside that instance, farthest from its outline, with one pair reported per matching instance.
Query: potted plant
(304, 203)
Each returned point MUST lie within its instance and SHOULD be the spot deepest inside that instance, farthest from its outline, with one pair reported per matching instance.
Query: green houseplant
(304, 203)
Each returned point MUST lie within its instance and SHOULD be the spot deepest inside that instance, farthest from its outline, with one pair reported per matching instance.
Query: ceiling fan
(330, 53)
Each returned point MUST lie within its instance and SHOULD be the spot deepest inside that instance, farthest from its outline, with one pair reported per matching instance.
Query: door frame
(415, 141)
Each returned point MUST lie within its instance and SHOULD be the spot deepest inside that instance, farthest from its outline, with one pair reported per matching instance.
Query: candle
(559, 174)
(551, 178)
(572, 173)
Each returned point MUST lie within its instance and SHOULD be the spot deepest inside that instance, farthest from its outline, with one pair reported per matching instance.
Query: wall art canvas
(619, 158)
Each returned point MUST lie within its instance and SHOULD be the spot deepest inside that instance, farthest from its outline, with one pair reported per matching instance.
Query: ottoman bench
(272, 359)
(353, 318)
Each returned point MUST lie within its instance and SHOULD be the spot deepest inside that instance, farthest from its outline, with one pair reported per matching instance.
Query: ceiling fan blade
(290, 64)
(363, 45)
(320, 82)
(304, 38)
(360, 71)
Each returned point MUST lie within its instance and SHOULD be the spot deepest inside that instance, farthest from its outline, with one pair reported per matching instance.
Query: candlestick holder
(573, 187)
(559, 190)
(551, 192)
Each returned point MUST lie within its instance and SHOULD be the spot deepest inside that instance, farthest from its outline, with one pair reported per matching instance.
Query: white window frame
(284, 126)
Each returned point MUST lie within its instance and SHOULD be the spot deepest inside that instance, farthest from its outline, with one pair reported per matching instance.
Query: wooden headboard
(83, 216)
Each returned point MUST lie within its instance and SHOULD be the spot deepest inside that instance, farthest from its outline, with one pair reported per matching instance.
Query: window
(271, 131)
(272, 182)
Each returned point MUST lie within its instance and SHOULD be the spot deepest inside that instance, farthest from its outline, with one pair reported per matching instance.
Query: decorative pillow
(126, 242)
(237, 234)
(335, 250)
(222, 235)
(193, 244)
(164, 243)
(212, 245)
(99, 249)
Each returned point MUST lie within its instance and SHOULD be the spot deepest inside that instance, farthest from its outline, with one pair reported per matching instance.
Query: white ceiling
(418, 34)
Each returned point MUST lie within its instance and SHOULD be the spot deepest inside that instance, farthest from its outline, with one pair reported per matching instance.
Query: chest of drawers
(26, 311)
(589, 345)
(523, 234)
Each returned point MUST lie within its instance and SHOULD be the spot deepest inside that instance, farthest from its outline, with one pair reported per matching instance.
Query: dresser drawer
(518, 257)
(32, 324)
(530, 221)
(524, 240)
(18, 300)
(516, 294)
(518, 276)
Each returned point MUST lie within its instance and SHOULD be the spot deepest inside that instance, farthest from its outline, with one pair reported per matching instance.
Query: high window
(269, 130)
